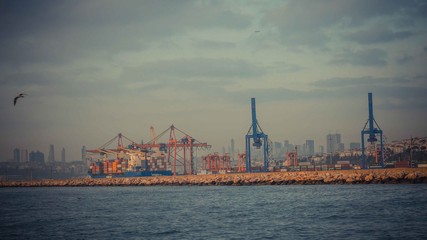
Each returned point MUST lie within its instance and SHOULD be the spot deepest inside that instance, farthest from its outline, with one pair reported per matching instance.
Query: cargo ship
(120, 168)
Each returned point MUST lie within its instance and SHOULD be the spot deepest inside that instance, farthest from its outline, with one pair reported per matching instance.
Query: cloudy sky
(93, 69)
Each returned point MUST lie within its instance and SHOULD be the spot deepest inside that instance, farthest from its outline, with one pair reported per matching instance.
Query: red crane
(292, 158)
(241, 162)
(216, 162)
(118, 150)
(179, 147)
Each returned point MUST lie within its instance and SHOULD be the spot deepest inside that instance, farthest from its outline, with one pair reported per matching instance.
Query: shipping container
(343, 162)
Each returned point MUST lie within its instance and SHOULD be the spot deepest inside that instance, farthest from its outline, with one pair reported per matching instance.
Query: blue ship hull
(132, 174)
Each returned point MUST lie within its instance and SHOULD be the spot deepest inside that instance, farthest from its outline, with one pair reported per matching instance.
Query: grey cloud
(227, 19)
(409, 97)
(63, 31)
(280, 94)
(409, 104)
(377, 35)
(25, 79)
(367, 57)
(421, 78)
(404, 93)
(407, 90)
(213, 44)
(299, 21)
(175, 16)
(363, 81)
(284, 67)
(343, 82)
(405, 59)
(74, 83)
(197, 68)
(309, 15)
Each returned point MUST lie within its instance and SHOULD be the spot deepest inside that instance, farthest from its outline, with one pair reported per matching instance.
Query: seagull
(21, 95)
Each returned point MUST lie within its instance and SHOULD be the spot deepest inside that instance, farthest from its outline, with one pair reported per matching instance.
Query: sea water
(215, 212)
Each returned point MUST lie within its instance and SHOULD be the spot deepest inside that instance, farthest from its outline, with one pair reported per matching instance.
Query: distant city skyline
(22, 155)
(93, 69)
(333, 143)
(51, 155)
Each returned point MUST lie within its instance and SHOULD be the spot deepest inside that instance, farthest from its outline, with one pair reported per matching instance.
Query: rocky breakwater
(378, 176)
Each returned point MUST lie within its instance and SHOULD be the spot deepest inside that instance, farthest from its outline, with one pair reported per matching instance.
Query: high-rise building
(321, 149)
(354, 145)
(333, 143)
(63, 155)
(309, 147)
(277, 149)
(286, 146)
(24, 155)
(300, 149)
(83, 153)
(36, 157)
(16, 155)
(51, 156)
(232, 149)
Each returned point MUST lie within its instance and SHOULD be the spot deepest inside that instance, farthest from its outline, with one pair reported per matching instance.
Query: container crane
(241, 162)
(180, 148)
(216, 163)
(372, 131)
(153, 135)
(120, 150)
(259, 137)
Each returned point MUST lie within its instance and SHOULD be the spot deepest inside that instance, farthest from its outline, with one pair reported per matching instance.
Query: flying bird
(21, 95)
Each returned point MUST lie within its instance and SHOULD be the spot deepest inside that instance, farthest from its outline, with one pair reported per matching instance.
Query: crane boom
(153, 135)
(257, 143)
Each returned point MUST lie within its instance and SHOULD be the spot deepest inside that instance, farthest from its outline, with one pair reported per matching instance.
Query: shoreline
(371, 176)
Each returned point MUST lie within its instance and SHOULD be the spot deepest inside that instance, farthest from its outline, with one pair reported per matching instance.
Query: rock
(369, 178)
(416, 175)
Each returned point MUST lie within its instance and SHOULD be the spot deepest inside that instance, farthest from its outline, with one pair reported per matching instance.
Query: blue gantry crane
(255, 132)
(373, 131)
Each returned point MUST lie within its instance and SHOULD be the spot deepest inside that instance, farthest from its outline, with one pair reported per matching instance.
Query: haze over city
(93, 69)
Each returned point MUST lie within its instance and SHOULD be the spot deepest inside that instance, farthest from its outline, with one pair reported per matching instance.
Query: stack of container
(344, 165)
(402, 164)
(158, 164)
(117, 166)
(95, 168)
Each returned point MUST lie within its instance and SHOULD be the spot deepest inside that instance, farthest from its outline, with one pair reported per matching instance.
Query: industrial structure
(216, 163)
(259, 137)
(173, 156)
(178, 150)
(291, 158)
(173, 152)
(372, 130)
(241, 162)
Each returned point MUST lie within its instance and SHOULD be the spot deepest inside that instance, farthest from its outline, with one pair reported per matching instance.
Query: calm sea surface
(210, 212)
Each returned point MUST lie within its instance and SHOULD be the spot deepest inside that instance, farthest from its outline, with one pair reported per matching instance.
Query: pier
(372, 176)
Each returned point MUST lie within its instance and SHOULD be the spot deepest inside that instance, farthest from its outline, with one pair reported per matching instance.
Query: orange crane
(292, 158)
(241, 162)
(153, 135)
(180, 148)
(120, 151)
(120, 148)
(216, 162)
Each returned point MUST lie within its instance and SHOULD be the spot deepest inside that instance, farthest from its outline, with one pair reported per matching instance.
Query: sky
(92, 69)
